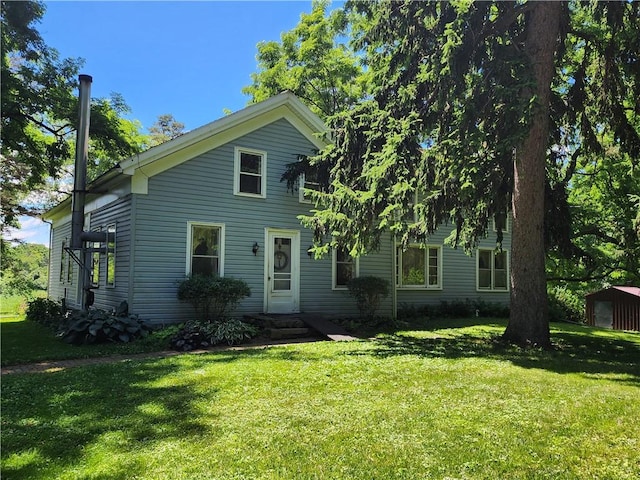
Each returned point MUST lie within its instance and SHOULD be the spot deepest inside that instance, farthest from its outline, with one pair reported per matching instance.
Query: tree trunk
(528, 322)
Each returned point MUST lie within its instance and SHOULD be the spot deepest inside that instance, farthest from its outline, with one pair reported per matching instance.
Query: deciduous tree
(40, 109)
(313, 61)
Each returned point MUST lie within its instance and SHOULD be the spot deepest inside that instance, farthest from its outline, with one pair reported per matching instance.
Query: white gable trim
(142, 166)
(179, 150)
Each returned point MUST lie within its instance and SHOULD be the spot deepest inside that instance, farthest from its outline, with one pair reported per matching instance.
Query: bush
(565, 305)
(231, 331)
(368, 292)
(212, 297)
(454, 309)
(46, 312)
(100, 326)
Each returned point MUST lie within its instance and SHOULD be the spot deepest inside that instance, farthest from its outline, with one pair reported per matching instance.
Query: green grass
(24, 341)
(445, 402)
(12, 306)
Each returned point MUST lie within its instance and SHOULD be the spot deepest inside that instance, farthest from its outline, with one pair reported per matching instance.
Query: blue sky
(189, 59)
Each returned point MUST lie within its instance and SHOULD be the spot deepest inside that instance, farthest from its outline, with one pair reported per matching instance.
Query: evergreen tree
(469, 105)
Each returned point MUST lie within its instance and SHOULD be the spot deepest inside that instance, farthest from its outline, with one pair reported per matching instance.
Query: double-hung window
(95, 264)
(345, 267)
(111, 256)
(492, 270)
(250, 167)
(308, 181)
(65, 264)
(419, 267)
(501, 221)
(205, 244)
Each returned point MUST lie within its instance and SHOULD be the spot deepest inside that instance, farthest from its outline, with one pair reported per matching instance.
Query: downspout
(394, 273)
(49, 259)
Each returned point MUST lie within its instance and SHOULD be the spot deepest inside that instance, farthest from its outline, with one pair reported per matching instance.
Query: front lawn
(24, 341)
(437, 403)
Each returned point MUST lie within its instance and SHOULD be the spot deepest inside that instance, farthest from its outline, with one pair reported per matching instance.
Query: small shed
(614, 307)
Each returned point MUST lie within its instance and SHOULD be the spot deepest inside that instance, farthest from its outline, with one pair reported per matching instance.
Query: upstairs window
(345, 267)
(419, 267)
(250, 173)
(205, 249)
(492, 270)
(308, 181)
(501, 221)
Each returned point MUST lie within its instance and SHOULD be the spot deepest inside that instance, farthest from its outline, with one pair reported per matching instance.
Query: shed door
(282, 271)
(603, 312)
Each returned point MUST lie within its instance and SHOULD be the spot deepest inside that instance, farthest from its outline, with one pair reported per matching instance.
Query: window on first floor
(345, 267)
(111, 255)
(64, 262)
(250, 172)
(205, 249)
(95, 265)
(419, 266)
(492, 270)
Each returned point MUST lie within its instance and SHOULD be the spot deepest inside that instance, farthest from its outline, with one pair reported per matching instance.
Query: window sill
(250, 195)
(417, 288)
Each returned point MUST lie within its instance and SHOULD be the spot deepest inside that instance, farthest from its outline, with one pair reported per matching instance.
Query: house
(614, 307)
(212, 201)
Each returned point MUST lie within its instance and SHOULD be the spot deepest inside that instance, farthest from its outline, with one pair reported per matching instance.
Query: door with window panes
(282, 271)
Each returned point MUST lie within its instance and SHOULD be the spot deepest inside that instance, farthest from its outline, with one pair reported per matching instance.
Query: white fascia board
(198, 141)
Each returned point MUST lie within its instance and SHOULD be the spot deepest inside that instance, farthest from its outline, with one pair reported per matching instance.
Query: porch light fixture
(255, 248)
(309, 251)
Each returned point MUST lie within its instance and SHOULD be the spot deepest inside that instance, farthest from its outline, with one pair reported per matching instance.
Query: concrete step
(295, 332)
(267, 321)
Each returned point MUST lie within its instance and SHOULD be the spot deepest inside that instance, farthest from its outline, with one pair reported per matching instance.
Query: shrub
(565, 305)
(212, 297)
(368, 292)
(454, 309)
(231, 331)
(100, 326)
(46, 312)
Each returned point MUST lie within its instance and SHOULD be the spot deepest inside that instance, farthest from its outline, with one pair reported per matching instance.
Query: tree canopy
(313, 61)
(40, 110)
(165, 128)
(475, 109)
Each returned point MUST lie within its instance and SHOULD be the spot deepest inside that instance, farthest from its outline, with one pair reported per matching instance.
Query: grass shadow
(128, 406)
(576, 349)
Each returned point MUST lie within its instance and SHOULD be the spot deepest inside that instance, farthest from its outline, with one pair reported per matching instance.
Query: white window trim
(507, 224)
(221, 226)
(492, 289)
(301, 197)
(236, 172)
(115, 256)
(64, 263)
(426, 286)
(334, 268)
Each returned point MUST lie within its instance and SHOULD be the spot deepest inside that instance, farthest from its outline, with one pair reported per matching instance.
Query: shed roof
(634, 291)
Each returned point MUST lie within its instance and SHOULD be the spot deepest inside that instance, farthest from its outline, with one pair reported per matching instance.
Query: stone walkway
(56, 366)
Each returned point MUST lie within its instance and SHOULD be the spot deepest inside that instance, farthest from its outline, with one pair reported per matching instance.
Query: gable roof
(140, 167)
(633, 291)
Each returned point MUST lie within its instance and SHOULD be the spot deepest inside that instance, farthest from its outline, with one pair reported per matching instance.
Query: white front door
(282, 271)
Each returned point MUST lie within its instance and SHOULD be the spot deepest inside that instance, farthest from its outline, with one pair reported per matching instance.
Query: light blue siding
(153, 234)
(458, 275)
(62, 289)
(201, 190)
(117, 213)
